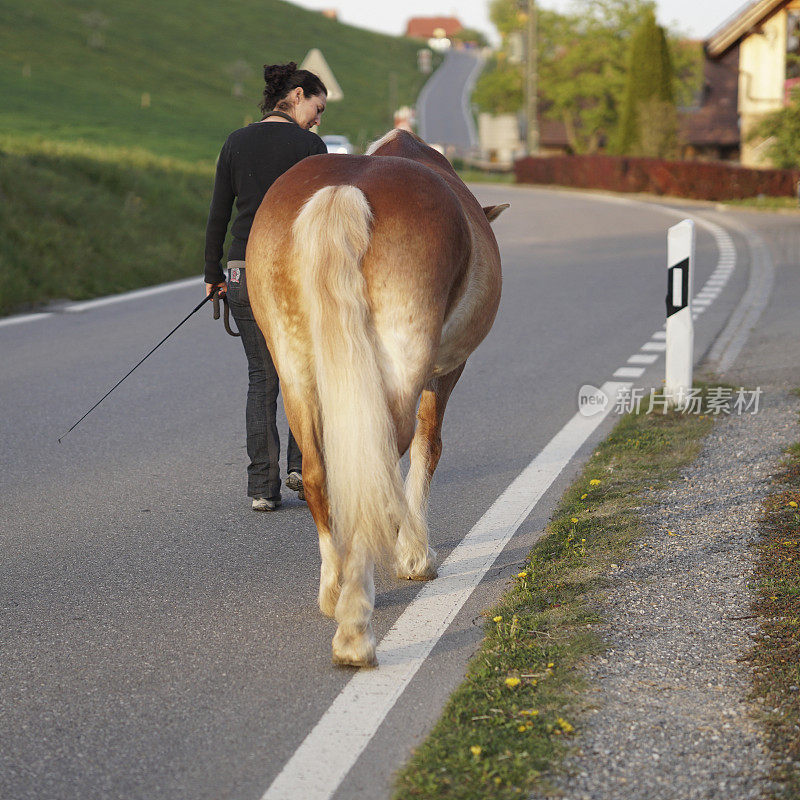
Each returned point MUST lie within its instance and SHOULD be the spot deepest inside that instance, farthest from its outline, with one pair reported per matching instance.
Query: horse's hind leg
(354, 642)
(415, 559)
(316, 497)
(302, 421)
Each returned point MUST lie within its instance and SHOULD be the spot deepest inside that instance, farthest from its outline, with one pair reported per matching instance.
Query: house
(752, 65)
(433, 27)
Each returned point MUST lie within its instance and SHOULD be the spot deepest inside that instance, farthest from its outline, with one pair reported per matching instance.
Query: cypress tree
(648, 88)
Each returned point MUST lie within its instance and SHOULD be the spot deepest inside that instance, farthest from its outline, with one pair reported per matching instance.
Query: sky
(695, 18)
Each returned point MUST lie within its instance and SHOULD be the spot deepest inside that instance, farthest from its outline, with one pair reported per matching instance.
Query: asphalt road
(160, 640)
(444, 115)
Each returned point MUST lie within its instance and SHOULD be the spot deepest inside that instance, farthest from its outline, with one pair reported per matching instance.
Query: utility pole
(532, 81)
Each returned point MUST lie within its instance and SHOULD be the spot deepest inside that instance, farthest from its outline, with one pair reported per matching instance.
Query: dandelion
(550, 665)
(522, 729)
(793, 504)
(564, 725)
(475, 750)
(512, 683)
(594, 482)
(497, 619)
(522, 574)
(584, 496)
(574, 520)
(529, 712)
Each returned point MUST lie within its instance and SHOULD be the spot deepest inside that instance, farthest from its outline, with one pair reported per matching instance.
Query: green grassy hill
(102, 191)
(69, 72)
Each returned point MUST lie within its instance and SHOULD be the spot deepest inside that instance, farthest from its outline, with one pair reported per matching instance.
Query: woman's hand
(223, 288)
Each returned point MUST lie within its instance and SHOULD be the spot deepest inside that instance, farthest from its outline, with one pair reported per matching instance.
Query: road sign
(680, 325)
(315, 62)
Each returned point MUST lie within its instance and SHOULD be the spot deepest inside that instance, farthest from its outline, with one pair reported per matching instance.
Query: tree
(648, 123)
(781, 129)
(500, 89)
(583, 64)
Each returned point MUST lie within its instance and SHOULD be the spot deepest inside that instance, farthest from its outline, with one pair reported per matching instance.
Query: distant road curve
(443, 107)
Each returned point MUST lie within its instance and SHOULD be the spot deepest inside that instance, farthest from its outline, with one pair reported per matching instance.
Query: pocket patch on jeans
(234, 274)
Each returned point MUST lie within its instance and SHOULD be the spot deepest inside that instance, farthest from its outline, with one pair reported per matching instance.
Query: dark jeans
(263, 444)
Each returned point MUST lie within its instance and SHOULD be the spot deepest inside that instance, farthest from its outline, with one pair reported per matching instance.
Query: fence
(701, 180)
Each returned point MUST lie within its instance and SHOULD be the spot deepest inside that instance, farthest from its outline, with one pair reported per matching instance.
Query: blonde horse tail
(332, 234)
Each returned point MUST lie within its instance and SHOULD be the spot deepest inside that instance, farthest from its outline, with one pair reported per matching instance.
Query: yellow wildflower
(522, 729)
(564, 725)
(793, 504)
(574, 520)
(584, 496)
(594, 482)
(475, 750)
(522, 574)
(550, 665)
(512, 683)
(497, 619)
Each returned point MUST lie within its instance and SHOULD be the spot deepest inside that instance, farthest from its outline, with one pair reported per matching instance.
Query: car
(338, 144)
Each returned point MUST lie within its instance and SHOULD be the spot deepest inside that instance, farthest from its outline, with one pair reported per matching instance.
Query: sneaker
(266, 503)
(294, 481)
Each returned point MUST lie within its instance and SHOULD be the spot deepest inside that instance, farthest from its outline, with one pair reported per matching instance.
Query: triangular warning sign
(315, 62)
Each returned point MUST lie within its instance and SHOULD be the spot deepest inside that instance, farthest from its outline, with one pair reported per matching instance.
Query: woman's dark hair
(280, 79)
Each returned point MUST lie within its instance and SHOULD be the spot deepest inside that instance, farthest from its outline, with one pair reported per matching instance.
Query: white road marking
(654, 347)
(137, 294)
(629, 372)
(326, 755)
(76, 308)
(642, 358)
(19, 318)
(744, 317)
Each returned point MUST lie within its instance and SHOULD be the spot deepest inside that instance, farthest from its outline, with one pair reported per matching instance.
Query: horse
(373, 277)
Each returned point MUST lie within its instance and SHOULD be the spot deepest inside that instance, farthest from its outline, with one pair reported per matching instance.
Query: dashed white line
(642, 358)
(629, 372)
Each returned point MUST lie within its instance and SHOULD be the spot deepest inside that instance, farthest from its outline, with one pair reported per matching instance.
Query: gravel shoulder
(668, 715)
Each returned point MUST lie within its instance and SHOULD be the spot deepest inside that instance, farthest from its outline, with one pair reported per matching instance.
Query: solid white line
(759, 288)
(641, 358)
(326, 755)
(137, 294)
(629, 372)
(19, 318)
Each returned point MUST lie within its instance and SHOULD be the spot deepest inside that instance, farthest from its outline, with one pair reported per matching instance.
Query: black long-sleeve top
(251, 160)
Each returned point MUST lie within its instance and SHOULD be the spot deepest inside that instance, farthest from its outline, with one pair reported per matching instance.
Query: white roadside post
(680, 325)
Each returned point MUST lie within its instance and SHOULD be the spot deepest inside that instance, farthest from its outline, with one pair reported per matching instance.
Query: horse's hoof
(426, 575)
(348, 662)
(354, 650)
(426, 571)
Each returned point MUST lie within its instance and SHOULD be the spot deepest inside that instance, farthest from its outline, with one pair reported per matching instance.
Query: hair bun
(276, 76)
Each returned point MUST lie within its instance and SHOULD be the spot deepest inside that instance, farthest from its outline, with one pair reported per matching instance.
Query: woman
(251, 159)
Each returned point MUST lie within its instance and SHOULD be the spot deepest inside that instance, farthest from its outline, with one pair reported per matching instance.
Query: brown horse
(373, 278)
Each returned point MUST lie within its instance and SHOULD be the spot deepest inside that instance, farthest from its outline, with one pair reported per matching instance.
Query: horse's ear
(493, 212)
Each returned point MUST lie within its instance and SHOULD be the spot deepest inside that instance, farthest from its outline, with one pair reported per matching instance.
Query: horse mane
(404, 144)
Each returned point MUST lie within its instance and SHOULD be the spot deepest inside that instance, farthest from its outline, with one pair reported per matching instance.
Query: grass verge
(511, 719)
(78, 221)
(776, 655)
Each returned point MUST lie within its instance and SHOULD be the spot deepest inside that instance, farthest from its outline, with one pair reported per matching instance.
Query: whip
(212, 296)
